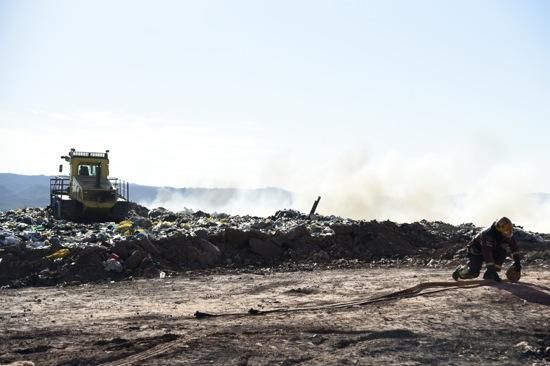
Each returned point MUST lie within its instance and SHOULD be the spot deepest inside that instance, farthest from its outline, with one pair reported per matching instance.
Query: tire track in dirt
(150, 353)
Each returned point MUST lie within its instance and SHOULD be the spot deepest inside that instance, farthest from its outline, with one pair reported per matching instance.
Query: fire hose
(413, 291)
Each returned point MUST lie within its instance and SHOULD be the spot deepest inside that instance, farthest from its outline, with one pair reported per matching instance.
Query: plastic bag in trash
(61, 253)
(112, 265)
(124, 225)
(141, 235)
(10, 241)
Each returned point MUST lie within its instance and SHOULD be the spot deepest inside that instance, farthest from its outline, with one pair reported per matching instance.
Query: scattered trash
(61, 253)
(124, 225)
(9, 240)
(147, 243)
(113, 265)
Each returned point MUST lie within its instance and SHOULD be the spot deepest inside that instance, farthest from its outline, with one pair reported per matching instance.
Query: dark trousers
(475, 257)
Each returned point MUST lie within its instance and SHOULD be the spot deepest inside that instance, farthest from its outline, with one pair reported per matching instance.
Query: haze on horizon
(384, 108)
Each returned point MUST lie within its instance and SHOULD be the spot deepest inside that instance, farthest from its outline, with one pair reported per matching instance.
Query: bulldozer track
(147, 354)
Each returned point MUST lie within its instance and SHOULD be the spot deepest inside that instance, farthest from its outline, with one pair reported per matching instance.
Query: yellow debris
(61, 253)
(124, 225)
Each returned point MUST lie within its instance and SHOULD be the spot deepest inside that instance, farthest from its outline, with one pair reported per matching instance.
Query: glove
(491, 274)
(517, 266)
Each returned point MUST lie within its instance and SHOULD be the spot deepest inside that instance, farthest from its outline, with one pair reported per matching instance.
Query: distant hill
(19, 191)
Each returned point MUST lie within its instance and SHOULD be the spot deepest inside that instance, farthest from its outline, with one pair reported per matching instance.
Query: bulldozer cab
(88, 164)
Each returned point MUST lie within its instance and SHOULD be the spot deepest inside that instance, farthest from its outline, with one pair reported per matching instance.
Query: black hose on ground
(406, 293)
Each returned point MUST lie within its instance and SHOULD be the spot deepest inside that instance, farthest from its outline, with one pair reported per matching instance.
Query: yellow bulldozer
(88, 193)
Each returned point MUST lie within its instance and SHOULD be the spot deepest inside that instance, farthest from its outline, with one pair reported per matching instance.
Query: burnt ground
(150, 321)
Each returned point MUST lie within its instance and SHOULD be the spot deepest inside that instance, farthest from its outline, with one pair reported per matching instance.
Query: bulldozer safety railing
(122, 188)
(60, 186)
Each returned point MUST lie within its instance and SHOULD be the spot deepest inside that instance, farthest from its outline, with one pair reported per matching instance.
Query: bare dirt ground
(150, 322)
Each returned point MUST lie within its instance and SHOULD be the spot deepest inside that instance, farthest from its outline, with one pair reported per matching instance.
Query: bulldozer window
(87, 170)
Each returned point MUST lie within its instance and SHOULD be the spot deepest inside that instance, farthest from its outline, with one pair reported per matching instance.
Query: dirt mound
(37, 249)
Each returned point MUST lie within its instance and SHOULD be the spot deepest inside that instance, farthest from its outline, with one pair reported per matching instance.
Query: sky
(385, 108)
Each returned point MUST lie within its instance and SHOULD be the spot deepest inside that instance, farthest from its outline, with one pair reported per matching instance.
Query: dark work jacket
(489, 239)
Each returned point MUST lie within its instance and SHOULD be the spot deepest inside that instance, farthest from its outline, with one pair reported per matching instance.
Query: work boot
(463, 273)
(456, 273)
(491, 274)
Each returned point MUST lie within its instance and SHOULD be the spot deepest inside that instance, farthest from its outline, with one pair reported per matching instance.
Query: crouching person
(488, 246)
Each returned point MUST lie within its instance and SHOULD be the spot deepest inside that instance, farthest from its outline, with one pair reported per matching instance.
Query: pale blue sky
(278, 92)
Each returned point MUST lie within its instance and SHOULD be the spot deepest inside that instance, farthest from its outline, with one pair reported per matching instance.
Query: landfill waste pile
(38, 250)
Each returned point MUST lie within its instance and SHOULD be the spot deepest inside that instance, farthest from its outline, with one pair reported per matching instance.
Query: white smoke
(394, 187)
(444, 188)
(258, 202)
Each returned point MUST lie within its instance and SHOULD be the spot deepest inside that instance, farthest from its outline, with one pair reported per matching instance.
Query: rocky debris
(540, 351)
(37, 249)
(450, 232)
